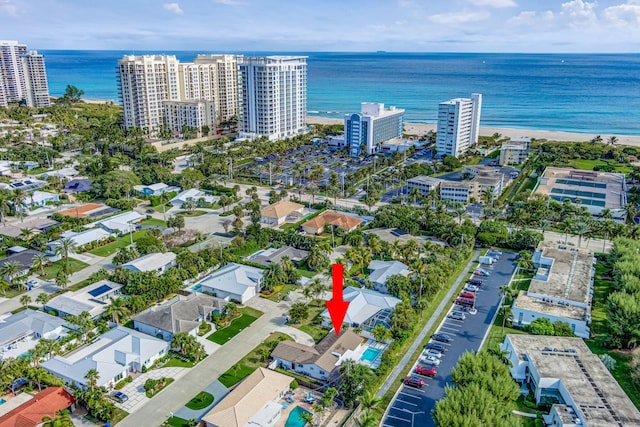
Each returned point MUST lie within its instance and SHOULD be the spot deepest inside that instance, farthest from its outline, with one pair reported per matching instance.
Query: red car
(467, 294)
(414, 381)
(429, 371)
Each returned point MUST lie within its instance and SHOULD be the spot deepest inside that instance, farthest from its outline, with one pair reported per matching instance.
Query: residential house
(41, 225)
(255, 402)
(63, 174)
(180, 314)
(156, 189)
(121, 223)
(78, 185)
(234, 282)
(38, 199)
(278, 212)
(321, 360)
(94, 299)
(80, 238)
(46, 403)
(158, 262)
(114, 354)
(200, 197)
(367, 308)
(380, 271)
(24, 258)
(343, 221)
(275, 255)
(20, 332)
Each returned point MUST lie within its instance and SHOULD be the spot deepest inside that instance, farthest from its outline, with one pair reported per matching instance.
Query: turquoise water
(2, 401)
(196, 287)
(590, 93)
(294, 420)
(370, 354)
(253, 255)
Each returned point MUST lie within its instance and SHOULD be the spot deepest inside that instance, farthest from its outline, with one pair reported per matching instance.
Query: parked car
(441, 337)
(471, 288)
(32, 283)
(481, 273)
(436, 346)
(475, 282)
(467, 294)
(430, 360)
(432, 352)
(120, 396)
(470, 302)
(429, 371)
(414, 381)
(457, 315)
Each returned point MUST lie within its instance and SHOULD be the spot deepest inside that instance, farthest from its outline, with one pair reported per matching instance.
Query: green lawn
(280, 292)
(251, 361)
(237, 325)
(176, 422)
(308, 326)
(121, 242)
(251, 312)
(587, 164)
(51, 271)
(200, 401)
(154, 221)
(192, 213)
(174, 362)
(167, 381)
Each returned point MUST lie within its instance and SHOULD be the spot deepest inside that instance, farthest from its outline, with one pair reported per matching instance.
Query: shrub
(293, 385)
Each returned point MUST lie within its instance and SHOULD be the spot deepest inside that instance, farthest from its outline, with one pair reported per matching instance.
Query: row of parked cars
(436, 347)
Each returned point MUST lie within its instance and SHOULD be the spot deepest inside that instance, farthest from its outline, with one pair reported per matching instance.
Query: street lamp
(413, 414)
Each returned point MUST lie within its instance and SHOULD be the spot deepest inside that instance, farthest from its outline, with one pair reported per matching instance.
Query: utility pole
(270, 183)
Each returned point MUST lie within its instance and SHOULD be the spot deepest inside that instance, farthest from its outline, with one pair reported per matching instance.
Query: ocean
(582, 93)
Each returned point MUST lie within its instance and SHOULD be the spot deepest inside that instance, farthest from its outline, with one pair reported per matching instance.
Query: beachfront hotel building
(23, 76)
(515, 151)
(597, 191)
(157, 91)
(366, 131)
(272, 96)
(458, 125)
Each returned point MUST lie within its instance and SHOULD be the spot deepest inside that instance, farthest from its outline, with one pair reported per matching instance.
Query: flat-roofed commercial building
(457, 191)
(596, 191)
(367, 130)
(272, 96)
(424, 183)
(515, 151)
(458, 125)
(564, 369)
(561, 289)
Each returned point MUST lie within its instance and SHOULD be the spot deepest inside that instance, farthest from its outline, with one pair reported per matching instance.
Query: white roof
(82, 238)
(121, 221)
(233, 278)
(365, 303)
(381, 270)
(39, 196)
(27, 322)
(154, 187)
(109, 355)
(193, 193)
(151, 262)
(94, 299)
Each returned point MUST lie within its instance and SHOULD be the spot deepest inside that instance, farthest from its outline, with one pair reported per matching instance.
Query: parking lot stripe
(398, 418)
(410, 395)
(449, 328)
(408, 403)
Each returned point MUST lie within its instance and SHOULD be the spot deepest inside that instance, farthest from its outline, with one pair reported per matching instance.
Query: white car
(430, 360)
(471, 288)
(32, 283)
(432, 352)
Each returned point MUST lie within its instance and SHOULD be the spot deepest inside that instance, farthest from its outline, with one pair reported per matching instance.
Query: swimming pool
(196, 288)
(2, 401)
(294, 419)
(370, 354)
(255, 254)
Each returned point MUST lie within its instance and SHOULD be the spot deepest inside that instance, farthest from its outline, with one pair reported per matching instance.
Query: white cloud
(493, 3)
(7, 7)
(228, 2)
(578, 10)
(623, 14)
(173, 8)
(529, 17)
(459, 17)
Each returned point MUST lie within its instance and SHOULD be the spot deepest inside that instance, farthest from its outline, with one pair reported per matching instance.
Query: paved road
(413, 406)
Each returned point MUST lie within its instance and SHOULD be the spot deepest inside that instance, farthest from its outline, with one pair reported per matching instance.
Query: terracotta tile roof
(81, 211)
(280, 209)
(46, 403)
(346, 222)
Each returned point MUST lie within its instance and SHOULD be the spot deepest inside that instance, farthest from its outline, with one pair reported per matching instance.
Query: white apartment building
(515, 151)
(146, 82)
(193, 114)
(217, 82)
(371, 127)
(423, 183)
(458, 125)
(272, 96)
(23, 76)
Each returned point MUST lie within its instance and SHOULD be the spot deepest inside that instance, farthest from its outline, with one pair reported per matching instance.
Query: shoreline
(559, 136)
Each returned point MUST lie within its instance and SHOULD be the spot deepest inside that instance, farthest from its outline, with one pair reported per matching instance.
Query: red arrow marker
(337, 306)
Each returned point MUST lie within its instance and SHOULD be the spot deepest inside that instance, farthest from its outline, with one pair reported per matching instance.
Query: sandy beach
(421, 129)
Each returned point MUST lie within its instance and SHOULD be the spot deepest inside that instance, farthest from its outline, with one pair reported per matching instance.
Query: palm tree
(366, 420)
(581, 229)
(10, 270)
(117, 309)
(42, 298)
(18, 201)
(369, 401)
(5, 197)
(460, 212)
(92, 376)
(612, 140)
(26, 234)
(64, 247)
(567, 226)
(25, 300)
(62, 419)
(375, 244)
(39, 262)
(597, 139)
(62, 279)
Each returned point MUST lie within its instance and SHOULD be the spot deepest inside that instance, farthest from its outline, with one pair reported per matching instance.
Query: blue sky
(326, 25)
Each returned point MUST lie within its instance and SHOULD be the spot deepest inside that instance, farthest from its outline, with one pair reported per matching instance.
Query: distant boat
(381, 51)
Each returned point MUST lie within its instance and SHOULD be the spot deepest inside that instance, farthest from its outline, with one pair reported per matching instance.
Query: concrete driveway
(135, 389)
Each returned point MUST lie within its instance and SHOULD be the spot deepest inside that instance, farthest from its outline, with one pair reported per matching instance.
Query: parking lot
(413, 405)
